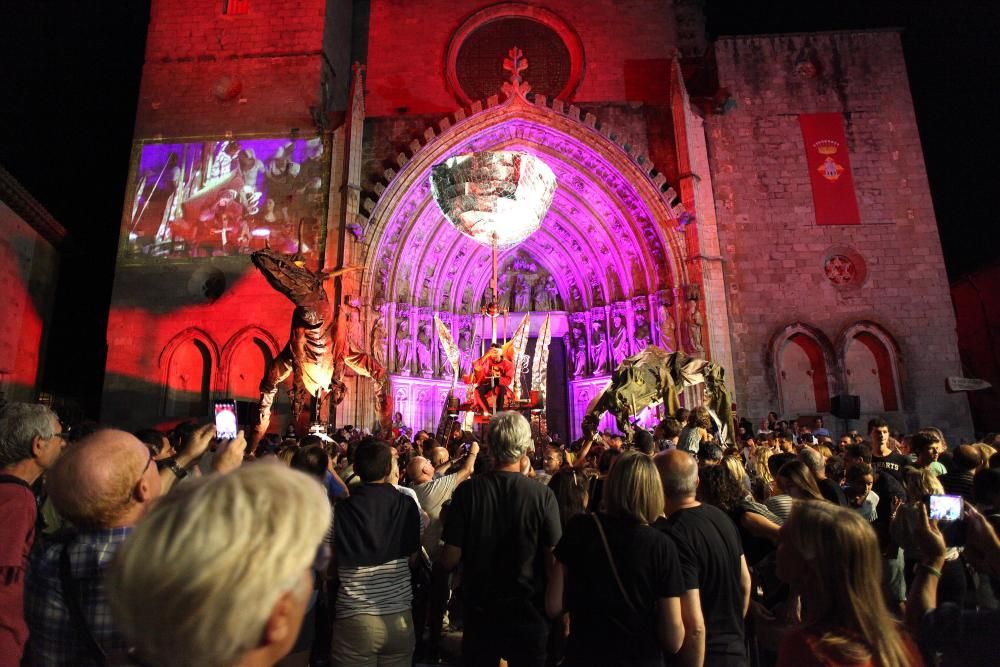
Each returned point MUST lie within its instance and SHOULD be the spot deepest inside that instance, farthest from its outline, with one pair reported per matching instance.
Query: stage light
(261, 232)
(496, 198)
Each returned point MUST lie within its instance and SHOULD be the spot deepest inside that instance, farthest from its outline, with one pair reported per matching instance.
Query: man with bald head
(440, 459)
(716, 578)
(434, 492)
(102, 485)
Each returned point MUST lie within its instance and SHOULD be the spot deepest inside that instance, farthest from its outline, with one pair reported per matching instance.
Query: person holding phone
(961, 636)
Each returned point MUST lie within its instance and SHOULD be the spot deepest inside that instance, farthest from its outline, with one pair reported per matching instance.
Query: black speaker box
(846, 406)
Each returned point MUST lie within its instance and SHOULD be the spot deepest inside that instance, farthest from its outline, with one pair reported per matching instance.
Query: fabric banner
(829, 169)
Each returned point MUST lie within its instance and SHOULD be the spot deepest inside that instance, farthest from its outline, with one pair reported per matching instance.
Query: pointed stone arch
(613, 213)
(187, 373)
(264, 342)
(813, 348)
(880, 348)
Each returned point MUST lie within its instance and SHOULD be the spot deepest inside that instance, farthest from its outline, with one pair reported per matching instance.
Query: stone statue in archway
(423, 349)
(403, 345)
(642, 333)
(522, 298)
(668, 328)
(578, 351)
(379, 340)
(694, 326)
(598, 349)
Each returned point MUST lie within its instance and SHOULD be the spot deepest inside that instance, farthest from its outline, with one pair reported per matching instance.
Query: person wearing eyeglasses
(102, 486)
(30, 442)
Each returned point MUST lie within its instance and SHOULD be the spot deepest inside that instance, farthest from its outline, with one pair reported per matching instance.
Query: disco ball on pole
(497, 198)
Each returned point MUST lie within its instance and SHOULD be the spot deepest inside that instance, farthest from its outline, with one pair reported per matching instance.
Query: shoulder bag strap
(71, 595)
(611, 561)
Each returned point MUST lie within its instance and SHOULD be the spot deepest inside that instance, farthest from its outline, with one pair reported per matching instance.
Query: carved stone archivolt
(610, 231)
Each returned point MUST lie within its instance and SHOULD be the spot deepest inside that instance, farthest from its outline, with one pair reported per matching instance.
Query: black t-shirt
(709, 548)
(832, 491)
(504, 523)
(601, 621)
(894, 464)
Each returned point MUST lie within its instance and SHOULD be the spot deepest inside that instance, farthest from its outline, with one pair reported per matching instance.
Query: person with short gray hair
(503, 527)
(714, 569)
(221, 570)
(510, 437)
(30, 442)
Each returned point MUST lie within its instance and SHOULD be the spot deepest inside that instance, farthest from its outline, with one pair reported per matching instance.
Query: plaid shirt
(54, 639)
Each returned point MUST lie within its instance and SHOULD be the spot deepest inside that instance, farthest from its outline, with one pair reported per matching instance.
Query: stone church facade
(684, 214)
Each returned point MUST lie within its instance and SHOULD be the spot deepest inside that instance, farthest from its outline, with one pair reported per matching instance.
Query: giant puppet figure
(317, 350)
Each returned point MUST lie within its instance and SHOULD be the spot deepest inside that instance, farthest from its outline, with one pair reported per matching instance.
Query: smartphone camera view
(945, 508)
(225, 420)
(948, 512)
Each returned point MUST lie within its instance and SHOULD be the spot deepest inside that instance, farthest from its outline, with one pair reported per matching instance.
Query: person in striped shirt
(376, 532)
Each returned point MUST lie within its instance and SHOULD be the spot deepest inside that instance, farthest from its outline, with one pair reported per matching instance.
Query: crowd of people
(782, 546)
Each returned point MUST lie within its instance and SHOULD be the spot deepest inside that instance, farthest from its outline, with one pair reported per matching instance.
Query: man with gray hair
(716, 577)
(30, 442)
(220, 571)
(502, 527)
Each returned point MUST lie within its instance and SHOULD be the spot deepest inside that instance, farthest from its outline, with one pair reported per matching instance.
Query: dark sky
(69, 78)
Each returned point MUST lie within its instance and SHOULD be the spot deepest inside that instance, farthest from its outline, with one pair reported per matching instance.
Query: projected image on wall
(228, 197)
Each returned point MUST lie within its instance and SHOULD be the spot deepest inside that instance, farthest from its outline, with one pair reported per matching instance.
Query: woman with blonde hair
(764, 481)
(618, 578)
(831, 557)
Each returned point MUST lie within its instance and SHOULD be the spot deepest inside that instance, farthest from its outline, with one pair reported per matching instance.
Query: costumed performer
(493, 373)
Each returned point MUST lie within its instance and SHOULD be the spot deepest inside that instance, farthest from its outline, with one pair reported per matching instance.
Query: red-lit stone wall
(774, 255)
(977, 310)
(267, 73)
(29, 268)
(209, 73)
(627, 46)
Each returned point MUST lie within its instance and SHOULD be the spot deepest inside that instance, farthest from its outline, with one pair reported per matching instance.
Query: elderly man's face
(51, 448)
(496, 354)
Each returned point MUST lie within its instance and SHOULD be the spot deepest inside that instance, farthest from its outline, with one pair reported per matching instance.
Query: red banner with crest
(829, 169)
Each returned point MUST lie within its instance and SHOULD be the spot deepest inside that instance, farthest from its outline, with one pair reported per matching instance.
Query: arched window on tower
(188, 380)
(871, 368)
(247, 363)
(801, 370)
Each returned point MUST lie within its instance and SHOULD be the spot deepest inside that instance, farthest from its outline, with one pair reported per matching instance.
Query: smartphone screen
(945, 508)
(225, 420)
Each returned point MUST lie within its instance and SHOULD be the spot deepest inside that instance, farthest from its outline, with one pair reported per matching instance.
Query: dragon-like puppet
(317, 350)
(655, 375)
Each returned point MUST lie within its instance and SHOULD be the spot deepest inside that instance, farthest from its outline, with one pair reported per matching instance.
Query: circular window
(474, 61)
(479, 65)
(844, 267)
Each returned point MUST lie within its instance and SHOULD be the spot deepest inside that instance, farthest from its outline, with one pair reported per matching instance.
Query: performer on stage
(493, 372)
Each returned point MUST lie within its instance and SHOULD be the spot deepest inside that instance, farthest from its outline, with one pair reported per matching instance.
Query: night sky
(69, 83)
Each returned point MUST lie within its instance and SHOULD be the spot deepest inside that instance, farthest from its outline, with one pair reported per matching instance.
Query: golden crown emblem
(826, 146)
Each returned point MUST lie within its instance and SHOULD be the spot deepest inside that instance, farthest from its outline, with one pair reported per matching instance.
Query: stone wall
(165, 315)
(776, 258)
(273, 69)
(627, 46)
(29, 268)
